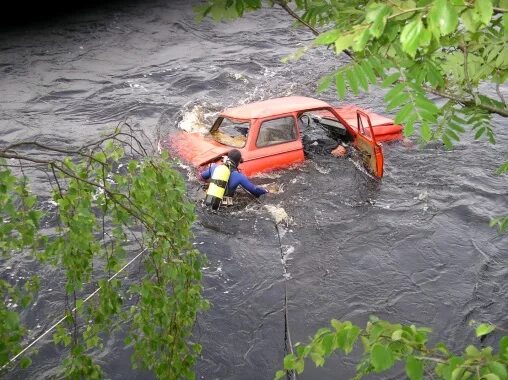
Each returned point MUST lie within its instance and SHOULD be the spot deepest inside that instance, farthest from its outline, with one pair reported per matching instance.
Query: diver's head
(235, 156)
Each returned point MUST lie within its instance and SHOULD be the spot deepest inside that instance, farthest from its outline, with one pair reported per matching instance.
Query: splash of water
(194, 120)
(279, 215)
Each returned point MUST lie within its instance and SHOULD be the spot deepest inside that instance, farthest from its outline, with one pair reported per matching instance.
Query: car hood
(195, 148)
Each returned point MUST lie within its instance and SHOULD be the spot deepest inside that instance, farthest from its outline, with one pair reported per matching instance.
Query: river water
(413, 248)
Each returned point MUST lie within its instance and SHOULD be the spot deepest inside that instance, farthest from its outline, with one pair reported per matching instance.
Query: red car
(269, 134)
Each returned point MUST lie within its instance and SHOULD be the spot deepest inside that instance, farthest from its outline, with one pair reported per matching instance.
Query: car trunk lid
(197, 149)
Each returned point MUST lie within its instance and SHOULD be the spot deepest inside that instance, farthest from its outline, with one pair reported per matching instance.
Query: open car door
(365, 142)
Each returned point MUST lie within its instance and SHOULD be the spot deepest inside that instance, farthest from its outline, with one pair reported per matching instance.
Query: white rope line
(73, 310)
(289, 374)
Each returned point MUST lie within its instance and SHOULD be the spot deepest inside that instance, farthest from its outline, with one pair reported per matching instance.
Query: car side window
(276, 131)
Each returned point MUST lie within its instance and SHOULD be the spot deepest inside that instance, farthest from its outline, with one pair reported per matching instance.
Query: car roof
(273, 107)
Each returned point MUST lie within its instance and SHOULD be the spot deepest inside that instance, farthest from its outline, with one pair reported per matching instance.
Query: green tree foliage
(385, 344)
(113, 200)
(417, 49)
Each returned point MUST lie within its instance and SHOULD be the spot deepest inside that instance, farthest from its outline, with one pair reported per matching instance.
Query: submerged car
(269, 134)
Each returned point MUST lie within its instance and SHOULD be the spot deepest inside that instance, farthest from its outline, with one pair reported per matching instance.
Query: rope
(287, 333)
(65, 317)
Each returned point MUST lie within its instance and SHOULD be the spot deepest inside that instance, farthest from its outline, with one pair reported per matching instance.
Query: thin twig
(284, 6)
(499, 94)
(466, 70)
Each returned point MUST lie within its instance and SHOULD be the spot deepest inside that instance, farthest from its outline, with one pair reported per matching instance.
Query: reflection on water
(414, 247)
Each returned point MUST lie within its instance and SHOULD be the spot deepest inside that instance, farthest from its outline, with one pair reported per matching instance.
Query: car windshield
(230, 132)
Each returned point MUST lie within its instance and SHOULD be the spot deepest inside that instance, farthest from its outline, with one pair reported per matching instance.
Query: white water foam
(194, 120)
(279, 215)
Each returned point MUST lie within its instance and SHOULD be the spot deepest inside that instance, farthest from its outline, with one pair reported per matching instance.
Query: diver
(225, 178)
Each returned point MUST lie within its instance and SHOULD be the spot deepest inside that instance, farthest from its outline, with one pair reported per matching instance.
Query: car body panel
(196, 148)
(384, 128)
(273, 107)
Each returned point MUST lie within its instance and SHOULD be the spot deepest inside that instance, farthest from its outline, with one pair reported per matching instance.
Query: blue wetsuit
(236, 178)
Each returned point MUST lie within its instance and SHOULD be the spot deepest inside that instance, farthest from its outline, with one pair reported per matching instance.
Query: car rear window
(230, 132)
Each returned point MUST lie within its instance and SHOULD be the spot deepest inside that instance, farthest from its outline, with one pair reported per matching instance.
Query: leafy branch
(384, 344)
(106, 198)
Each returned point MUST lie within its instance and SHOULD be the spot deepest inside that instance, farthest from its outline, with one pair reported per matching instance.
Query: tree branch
(468, 102)
(284, 6)
(109, 192)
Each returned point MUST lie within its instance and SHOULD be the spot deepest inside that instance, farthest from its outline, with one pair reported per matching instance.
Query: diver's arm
(206, 174)
(250, 187)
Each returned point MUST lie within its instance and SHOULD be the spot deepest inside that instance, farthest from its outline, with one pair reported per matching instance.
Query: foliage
(112, 200)
(17, 230)
(385, 344)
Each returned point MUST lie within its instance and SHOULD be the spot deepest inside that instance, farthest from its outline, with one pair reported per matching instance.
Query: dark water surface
(413, 248)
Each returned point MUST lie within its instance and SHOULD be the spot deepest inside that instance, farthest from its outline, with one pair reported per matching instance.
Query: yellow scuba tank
(217, 188)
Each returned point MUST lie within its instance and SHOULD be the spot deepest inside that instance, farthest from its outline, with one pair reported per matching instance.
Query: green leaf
(397, 335)
(409, 124)
(324, 83)
(25, 362)
(394, 92)
(343, 42)
(427, 105)
(499, 370)
(390, 79)
(404, 113)
(503, 168)
(336, 324)
(447, 142)
(377, 15)
(457, 373)
(352, 336)
(471, 20)
(369, 72)
(443, 18)
(279, 375)
(503, 347)
(425, 132)
(328, 37)
(456, 127)
(397, 101)
(299, 367)
(410, 36)
(290, 361)
(484, 9)
(360, 40)
(484, 329)
(490, 376)
(414, 368)
(452, 135)
(479, 133)
(340, 84)
(362, 78)
(472, 351)
(317, 359)
(381, 357)
(351, 78)
(442, 348)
